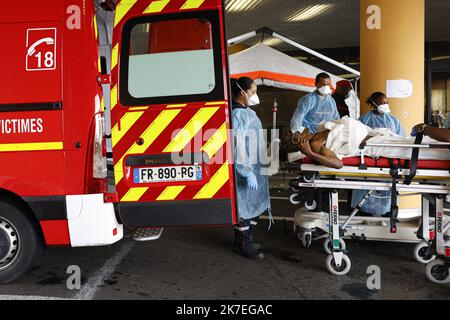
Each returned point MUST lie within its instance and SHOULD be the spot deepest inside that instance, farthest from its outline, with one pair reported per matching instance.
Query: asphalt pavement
(198, 263)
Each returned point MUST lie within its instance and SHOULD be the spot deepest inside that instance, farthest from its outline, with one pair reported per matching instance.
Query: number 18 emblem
(41, 49)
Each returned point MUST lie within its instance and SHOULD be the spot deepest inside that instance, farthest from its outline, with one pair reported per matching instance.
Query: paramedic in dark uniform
(342, 93)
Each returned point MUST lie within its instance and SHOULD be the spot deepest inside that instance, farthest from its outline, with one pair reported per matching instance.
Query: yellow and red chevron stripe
(171, 130)
(166, 129)
(150, 134)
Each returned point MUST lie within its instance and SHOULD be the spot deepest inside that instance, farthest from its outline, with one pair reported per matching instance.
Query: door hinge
(104, 79)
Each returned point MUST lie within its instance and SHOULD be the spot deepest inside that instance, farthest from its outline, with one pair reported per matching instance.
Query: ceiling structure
(318, 23)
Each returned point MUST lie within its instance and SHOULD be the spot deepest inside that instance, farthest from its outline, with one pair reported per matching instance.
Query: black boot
(249, 248)
(253, 224)
(237, 241)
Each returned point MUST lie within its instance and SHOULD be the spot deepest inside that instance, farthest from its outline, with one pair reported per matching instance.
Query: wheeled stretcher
(429, 228)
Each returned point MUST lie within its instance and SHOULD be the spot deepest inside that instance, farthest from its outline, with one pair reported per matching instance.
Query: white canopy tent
(270, 67)
(273, 68)
(276, 69)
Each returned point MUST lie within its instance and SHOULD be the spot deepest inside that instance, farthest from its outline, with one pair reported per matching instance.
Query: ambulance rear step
(147, 234)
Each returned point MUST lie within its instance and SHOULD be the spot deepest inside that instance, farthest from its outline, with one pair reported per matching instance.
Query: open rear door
(170, 114)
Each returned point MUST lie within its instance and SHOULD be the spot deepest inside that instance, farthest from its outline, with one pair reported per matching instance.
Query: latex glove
(420, 128)
(252, 183)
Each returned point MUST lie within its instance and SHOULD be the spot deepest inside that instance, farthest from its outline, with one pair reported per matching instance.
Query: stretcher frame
(432, 184)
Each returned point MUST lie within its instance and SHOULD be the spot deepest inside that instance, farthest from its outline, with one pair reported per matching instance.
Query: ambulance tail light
(104, 146)
(96, 178)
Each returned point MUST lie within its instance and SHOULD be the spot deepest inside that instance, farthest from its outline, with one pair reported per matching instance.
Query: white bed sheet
(346, 135)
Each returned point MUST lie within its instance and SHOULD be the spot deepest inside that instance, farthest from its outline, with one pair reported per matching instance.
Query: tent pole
(293, 43)
(241, 38)
(316, 54)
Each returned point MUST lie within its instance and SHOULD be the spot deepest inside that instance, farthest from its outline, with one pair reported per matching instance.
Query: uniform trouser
(243, 234)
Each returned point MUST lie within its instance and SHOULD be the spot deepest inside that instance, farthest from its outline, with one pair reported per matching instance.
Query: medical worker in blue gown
(315, 107)
(249, 148)
(380, 116)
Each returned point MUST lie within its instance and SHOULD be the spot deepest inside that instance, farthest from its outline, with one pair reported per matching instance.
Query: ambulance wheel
(328, 248)
(438, 272)
(311, 206)
(20, 241)
(422, 253)
(294, 199)
(342, 270)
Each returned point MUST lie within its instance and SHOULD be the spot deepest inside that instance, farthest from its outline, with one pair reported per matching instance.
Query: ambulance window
(171, 57)
(171, 60)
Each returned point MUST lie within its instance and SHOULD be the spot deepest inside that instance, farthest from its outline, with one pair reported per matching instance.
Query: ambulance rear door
(170, 113)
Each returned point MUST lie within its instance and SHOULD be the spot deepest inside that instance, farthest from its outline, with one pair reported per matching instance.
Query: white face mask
(254, 100)
(384, 108)
(325, 90)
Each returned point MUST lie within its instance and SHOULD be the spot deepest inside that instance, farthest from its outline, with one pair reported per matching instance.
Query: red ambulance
(156, 74)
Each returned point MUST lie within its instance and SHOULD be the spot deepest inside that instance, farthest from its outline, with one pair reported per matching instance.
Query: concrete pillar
(392, 48)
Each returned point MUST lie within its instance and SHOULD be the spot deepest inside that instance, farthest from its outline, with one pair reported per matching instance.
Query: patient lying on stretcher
(342, 138)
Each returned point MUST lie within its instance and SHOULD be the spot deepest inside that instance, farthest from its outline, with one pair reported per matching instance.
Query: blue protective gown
(313, 109)
(379, 202)
(250, 203)
(385, 120)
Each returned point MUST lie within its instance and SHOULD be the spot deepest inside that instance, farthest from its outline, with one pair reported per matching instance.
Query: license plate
(168, 174)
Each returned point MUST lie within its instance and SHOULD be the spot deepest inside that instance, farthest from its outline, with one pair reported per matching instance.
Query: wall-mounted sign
(400, 89)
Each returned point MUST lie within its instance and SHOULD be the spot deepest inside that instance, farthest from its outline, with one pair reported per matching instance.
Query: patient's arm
(329, 159)
(439, 134)
(324, 156)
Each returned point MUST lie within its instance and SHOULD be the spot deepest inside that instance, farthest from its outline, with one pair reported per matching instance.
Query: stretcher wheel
(311, 206)
(334, 269)
(305, 238)
(422, 253)
(438, 271)
(328, 247)
(295, 189)
(309, 177)
(295, 199)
